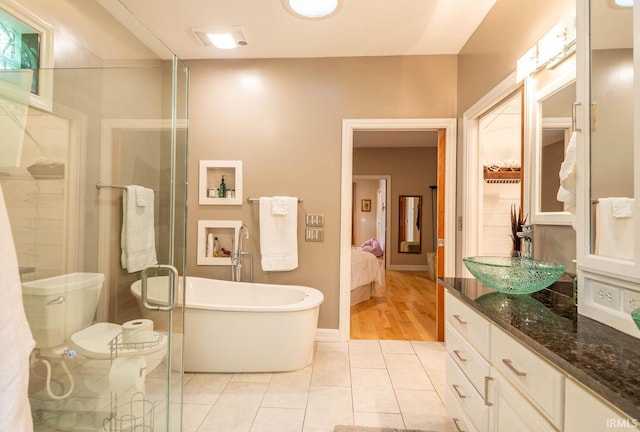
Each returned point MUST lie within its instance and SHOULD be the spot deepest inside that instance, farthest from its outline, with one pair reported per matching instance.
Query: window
(26, 42)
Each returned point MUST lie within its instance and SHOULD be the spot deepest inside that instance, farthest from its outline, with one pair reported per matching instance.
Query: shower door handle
(173, 280)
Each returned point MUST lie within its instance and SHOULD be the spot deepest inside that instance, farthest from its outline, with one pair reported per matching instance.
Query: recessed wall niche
(212, 173)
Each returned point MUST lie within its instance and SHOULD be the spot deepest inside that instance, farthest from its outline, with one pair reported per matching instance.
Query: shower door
(108, 353)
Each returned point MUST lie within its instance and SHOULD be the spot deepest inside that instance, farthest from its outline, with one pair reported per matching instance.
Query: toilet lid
(93, 342)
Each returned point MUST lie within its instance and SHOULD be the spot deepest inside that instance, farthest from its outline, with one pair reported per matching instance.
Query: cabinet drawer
(471, 325)
(466, 396)
(455, 411)
(474, 366)
(542, 383)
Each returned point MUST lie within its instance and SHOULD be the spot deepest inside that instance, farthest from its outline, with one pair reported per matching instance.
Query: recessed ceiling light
(311, 9)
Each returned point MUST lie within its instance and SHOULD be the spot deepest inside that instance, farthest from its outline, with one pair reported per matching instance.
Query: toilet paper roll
(127, 373)
(136, 331)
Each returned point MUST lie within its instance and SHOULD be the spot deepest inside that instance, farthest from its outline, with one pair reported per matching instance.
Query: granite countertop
(603, 359)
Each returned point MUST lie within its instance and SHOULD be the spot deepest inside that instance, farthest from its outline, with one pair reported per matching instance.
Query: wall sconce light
(551, 50)
(222, 37)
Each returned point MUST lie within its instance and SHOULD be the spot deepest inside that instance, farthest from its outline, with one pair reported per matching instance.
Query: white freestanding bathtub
(248, 327)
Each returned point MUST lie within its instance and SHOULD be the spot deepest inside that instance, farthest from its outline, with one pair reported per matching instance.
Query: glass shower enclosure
(95, 188)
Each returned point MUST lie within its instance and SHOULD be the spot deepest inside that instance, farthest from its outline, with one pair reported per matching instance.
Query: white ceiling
(359, 28)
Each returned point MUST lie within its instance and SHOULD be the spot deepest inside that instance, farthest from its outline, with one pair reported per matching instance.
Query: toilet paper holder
(138, 416)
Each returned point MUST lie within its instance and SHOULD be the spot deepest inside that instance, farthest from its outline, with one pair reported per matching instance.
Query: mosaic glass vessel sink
(635, 314)
(513, 275)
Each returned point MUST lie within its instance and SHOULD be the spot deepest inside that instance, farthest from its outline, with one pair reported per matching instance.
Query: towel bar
(258, 199)
(99, 186)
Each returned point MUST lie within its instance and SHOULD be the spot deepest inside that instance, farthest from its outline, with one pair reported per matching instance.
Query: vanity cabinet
(486, 388)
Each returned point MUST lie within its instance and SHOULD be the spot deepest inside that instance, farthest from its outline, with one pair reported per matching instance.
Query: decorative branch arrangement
(517, 221)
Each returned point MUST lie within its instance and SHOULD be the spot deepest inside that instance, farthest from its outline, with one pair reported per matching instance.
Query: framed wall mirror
(410, 224)
(613, 133)
(552, 131)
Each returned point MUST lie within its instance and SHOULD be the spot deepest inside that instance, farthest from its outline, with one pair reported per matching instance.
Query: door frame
(349, 126)
(471, 192)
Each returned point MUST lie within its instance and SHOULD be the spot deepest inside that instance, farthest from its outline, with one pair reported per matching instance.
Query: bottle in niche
(216, 247)
(210, 245)
(223, 189)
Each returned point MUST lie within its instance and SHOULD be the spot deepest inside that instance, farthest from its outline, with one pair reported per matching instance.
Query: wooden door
(440, 234)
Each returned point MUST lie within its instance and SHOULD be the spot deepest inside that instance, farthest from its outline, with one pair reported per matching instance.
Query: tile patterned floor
(361, 382)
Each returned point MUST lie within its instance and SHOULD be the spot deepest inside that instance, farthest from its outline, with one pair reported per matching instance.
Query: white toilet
(60, 311)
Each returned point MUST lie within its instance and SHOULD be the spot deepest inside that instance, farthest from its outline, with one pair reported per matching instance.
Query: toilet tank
(59, 306)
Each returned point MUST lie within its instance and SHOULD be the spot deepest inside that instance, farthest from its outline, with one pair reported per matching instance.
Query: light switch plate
(315, 219)
(314, 234)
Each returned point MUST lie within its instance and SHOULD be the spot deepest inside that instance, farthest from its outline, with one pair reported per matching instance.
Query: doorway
(486, 204)
(448, 126)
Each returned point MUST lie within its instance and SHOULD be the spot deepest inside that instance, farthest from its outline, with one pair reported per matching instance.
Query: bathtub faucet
(238, 254)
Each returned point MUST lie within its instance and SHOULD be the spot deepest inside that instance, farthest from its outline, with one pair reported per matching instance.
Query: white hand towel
(614, 236)
(15, 412)
(622, 207)
(142, 196)
(567, 174)
(280, 205)
(138, 238)
(279, 236)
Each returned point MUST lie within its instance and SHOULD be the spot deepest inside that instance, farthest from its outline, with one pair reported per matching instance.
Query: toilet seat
(93, 342)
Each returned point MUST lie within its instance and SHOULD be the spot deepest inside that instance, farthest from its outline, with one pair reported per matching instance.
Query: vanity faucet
(526, 236)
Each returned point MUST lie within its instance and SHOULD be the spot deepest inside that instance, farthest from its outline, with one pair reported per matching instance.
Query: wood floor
(404, 309)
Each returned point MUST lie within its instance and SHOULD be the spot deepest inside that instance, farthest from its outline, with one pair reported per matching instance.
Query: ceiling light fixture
(311, 9)
(222, 37)
(623, 3)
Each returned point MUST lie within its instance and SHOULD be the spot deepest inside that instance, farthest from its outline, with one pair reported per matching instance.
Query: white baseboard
(327, 335)
(408, 267)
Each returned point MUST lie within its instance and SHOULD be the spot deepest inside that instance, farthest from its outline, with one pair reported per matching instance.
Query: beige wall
(412, 171)
(488, 57)
(510, 28)
(283, 119)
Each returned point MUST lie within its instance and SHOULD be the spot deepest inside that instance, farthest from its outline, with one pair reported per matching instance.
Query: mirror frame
(538, 217)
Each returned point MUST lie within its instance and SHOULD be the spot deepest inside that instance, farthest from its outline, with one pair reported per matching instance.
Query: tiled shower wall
(37, 207)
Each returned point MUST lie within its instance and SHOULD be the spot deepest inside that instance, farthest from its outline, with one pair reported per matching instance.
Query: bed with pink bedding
(366, 275)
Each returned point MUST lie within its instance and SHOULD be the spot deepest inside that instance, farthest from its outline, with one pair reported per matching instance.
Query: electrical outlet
(630, 300)
(605, 295)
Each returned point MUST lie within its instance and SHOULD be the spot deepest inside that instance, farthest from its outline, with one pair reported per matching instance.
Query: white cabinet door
(510, 411)
(542, 383)
(585, 412)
